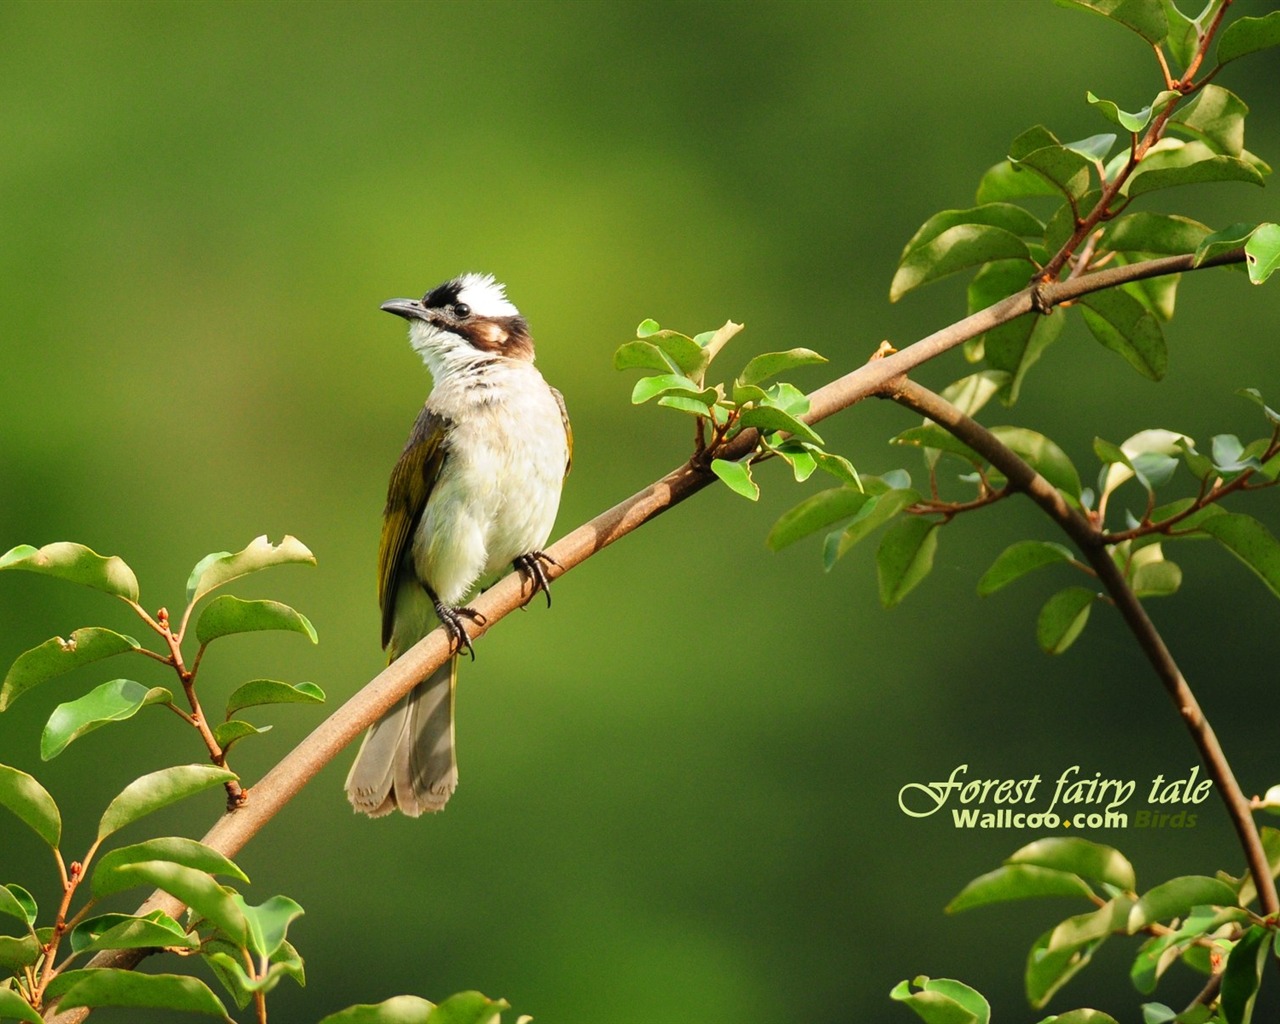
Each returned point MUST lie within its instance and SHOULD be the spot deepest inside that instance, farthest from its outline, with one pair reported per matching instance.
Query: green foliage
(114, 701)
(226, 615)
(943, 1001)
(57, 656)
(723, 411)
(77, 564)
(158, 789)
(244, 945)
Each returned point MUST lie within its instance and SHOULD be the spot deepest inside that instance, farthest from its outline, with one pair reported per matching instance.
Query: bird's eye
(461, 310)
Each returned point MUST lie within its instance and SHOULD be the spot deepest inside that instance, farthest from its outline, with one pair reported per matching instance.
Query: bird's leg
(451, 618)
(532, 564)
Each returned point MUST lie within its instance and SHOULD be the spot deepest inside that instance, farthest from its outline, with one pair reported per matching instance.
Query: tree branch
(265, 799)
(1092, 544)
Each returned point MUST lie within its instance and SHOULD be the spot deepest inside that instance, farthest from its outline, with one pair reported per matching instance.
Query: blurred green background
(679, 787)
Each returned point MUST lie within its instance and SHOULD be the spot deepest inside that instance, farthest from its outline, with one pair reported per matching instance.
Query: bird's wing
(411, 483)
(568, 430)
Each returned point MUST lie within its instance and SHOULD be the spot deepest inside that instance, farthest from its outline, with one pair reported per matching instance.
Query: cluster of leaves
(1151, 458)
(245, 947)
(120, 699)
(1202, 922)
(723, 411)
(1089, 191)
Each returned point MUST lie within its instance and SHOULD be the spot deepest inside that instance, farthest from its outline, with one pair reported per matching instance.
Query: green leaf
(195, 889)
(688, 357)
(932, 437)
(1016, 346)
(269, 922)
(17, 902)
(222, 566)
(905, 557)
(943, 1001)
(1045, 457)
(1065, 169)
(468, 1008)
(788, 398)
(873, 514)
(1251, 542)
(802, 461)
(1121, 323)
(1255, 396)
(16, 954)
(647, 327)
(714, 341)
(271, 691)
(641, 355)
(1215, 117)
(970, 394)
(1262, 252)
(115, 701)
(1017, 560)
(769, 364)
(1135, 122)
(1182, 39)
(396, 1010)
(77, 564)
(1187, 163)
(767, 418)
(648, 388)
(1013, 219)
(1080, 857)
(156, 790)
(1095, 147)
(1018, 882)
(111, 987)
(57, 656)
(839, 467)
(13, 1005)
(1007, 180)
(689, 405)
(1155, 233)
(1156, 579)
(816, 512)
(1243, 974)
(226, 615)
(29, 800)
(1235, 236)
(228, 733)
(108, 879)
(1176, 897)
(121, 931)
(1063, 617)
(1146, 17)
(1063, 951)
(226, 963)
(738, 476)
(1249, 35)
(957, 248)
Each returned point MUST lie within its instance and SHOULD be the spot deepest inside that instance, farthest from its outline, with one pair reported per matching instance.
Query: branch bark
(1092, 543)
(269, 795)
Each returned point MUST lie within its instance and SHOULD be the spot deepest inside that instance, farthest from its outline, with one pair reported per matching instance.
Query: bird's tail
(407, 760)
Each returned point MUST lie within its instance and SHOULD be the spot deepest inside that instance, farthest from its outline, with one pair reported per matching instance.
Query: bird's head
(463, 322)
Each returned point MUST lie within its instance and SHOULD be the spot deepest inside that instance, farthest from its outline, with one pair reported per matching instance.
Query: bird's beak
(410, 309)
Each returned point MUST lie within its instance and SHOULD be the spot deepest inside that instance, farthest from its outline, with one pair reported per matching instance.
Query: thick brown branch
(1092, 544)
(300, 765)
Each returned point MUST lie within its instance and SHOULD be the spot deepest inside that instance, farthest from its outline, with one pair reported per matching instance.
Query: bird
(475, 491)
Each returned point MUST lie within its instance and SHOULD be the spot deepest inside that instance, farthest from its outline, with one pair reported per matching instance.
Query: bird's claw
(451, 619)
(534, 565)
